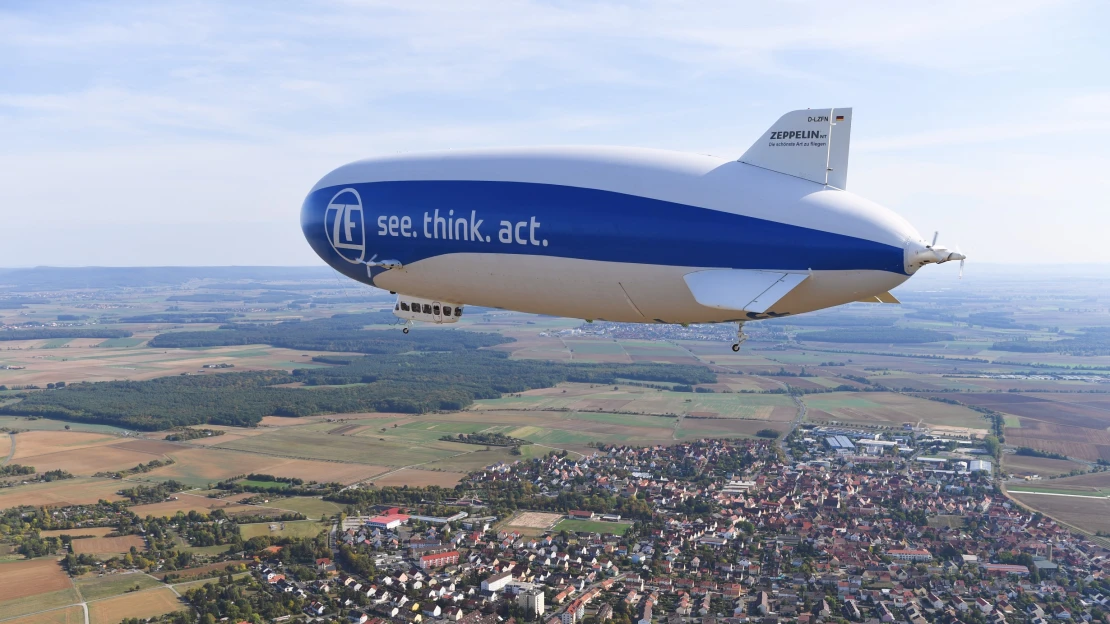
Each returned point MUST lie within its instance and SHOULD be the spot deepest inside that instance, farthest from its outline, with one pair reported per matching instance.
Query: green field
(47, 424)
(38, 602)
(308, 505)
(96, 588)
(54, 343)
(592, 526)
(299, 528)
(594, 347)
(302, 444)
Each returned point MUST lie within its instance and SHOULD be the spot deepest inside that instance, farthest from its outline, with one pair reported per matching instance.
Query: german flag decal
(840, 117)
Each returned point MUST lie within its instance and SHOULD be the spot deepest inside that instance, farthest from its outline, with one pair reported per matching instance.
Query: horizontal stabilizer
(740, 289)
(811, 144)
(883, 298)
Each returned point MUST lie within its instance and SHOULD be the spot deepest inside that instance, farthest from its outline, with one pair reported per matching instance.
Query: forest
(342, 332)
(48, 333)
(415, 383)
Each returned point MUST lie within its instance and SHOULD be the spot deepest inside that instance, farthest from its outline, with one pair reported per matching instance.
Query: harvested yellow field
(107, 545)
(67, 492)
(28, 578)
(32, 443)
(140, 604)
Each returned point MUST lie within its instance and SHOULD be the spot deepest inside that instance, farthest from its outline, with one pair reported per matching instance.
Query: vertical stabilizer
(811, 144)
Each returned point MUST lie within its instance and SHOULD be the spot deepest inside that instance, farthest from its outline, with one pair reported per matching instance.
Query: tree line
(49, 333)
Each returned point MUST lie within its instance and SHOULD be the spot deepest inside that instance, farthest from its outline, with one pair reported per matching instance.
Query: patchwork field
(141, 604)
(124, 358)
(1079, 442)
(107, 545)
(296, 443)
(1021, 465)
(636, 400)
(890, 409)
(200, 466)
(1054, 410)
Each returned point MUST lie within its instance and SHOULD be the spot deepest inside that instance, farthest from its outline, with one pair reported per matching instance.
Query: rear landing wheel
(404, 330)
(736, 347)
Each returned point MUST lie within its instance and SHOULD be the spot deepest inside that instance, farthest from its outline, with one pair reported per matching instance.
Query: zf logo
(345, 225)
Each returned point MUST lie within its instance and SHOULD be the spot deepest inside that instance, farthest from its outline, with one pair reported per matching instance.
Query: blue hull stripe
(399, 221)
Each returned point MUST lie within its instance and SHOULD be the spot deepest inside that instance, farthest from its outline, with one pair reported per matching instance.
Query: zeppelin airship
(620, 234)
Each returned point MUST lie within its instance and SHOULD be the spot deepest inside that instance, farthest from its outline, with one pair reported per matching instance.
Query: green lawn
(299, 528)
(593, 526)
(113, 585)
(308, 505)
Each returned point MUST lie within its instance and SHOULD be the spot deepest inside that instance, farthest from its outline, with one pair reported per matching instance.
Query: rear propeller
(935, 254)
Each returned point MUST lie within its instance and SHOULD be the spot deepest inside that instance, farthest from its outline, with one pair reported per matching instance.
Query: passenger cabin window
(404, 306)
(458, 312)
(446, 310)
(427, 309)
(435, 310)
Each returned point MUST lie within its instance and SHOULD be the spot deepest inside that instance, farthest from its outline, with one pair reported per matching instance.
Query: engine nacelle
(426, 310)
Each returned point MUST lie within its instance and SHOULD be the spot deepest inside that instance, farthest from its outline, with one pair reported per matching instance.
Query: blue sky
(139, 133)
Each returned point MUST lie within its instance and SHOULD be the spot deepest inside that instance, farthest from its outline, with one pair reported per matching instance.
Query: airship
(620, 234)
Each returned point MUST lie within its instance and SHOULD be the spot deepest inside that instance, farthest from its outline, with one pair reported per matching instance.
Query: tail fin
(811, 144)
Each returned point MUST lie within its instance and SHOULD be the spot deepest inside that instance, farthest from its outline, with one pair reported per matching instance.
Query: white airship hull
(611, 291)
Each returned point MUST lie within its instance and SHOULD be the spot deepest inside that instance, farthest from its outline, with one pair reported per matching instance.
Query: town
(714, 531)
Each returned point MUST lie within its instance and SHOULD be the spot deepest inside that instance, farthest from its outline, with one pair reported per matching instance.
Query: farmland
(140, 604)
(890, 410)
(1084, 512)
(65, 615)
(108, 545)
(98, 587)
(865, 383)
(30, 586)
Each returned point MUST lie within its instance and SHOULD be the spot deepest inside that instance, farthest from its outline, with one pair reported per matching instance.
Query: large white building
(531, 600)
(497, 582)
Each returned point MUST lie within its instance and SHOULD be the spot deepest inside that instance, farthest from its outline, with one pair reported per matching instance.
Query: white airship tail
(811, 144)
